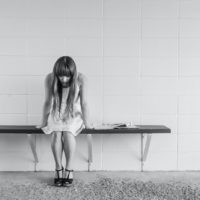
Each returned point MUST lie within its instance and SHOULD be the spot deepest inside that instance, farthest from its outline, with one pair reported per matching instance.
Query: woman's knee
(68, 137)
(56, 136)
(68, 134)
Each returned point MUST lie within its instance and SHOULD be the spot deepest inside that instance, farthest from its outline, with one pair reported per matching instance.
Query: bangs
(62, 70)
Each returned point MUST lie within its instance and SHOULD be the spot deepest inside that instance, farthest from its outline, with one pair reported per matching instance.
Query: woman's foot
(68, 178)
(58, 180)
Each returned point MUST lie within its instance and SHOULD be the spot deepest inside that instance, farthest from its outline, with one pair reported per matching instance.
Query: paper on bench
(47, 130)
(104, 126)
(113, 126)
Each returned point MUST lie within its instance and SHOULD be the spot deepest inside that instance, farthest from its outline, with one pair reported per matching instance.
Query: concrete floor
(47, 177)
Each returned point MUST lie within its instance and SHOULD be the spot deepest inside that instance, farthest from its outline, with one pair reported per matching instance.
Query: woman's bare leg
(57, 148)
(69, 149)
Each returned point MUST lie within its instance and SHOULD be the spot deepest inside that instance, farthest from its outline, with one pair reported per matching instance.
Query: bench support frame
(32, 143)
(144, 130)
(90, 152)
(144, 149)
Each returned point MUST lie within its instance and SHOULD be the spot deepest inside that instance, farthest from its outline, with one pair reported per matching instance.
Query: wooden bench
(144, 130)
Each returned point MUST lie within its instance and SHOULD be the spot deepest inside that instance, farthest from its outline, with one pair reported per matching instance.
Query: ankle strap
(69, 170)
(59, 169)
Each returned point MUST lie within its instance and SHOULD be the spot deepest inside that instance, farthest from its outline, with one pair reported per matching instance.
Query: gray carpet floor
(102, 186)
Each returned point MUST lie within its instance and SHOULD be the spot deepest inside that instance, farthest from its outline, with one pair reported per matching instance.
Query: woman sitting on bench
(65, 114)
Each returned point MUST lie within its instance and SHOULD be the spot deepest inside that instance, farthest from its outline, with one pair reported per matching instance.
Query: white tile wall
(83, 46)
(189, 66)
(159, 66)
(94, 85)
(156, 47)
(121, 28)
(121, 160)
(120, 66)
(33, 119)
(97, 152)
(120, 143)
(189, 160)
(126, 148)
(189, 47)
(14, 8)
(14, 85)
(83, 27)
(189, 104)
(12, 119)
(11, 27)
(40, 65)
(189, 86)
(157, 28)
(121, 9)
(45, 156)
(13, 65)
(38, 46)
(23, 160)
(189, 9)
(46, 27)
(170, 143)
(160, 9)
(161, 160)
(35, 85)
(117, 46)
(90, 66)
(95, 104)
(13, 104)
(121, 105)
(158, 85)
(141, 58)
(158, 104)
(189, 28)
(15, 153)
(168, 120)
(189, 124)
(35, 103)
(119, 118)
(81, 154)
(47, 9)
(121, 86)
(84, 9)
(13, 46)
(189, 142)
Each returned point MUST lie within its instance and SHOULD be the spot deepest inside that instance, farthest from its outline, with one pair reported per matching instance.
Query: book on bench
(113, 126)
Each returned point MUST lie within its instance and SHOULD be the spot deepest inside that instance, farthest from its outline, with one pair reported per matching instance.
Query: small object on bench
(136, 129)
(109, 126)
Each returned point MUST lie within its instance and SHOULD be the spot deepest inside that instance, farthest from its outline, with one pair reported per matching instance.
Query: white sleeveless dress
(57, 122)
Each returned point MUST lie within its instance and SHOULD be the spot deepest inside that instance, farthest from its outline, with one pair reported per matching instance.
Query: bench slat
(30, 129)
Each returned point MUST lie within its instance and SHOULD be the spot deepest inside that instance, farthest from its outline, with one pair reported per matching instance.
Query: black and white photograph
(99, 100)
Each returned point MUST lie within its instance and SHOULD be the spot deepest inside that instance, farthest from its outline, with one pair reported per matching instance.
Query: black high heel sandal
(58, 180)
(68, 181)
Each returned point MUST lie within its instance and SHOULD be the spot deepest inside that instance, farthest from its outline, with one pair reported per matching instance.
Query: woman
(65, 114)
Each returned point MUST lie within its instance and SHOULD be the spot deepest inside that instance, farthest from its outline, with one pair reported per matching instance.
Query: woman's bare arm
(84, 99)
(47, 101)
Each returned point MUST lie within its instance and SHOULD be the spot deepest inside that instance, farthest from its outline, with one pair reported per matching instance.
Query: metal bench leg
(142, 144)
(90, 156)
(32, 142)
(144, 150)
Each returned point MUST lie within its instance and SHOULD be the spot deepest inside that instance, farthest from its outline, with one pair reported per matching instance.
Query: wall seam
(102, 75)
(178, 77)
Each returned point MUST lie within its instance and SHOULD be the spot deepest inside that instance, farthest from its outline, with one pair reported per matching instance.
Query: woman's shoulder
(49, 79)
(81, 78)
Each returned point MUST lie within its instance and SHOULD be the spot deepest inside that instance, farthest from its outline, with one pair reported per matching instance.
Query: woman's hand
(88, 126)
(41, 125)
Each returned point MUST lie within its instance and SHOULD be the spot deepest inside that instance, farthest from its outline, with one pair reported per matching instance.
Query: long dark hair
(64, 66)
